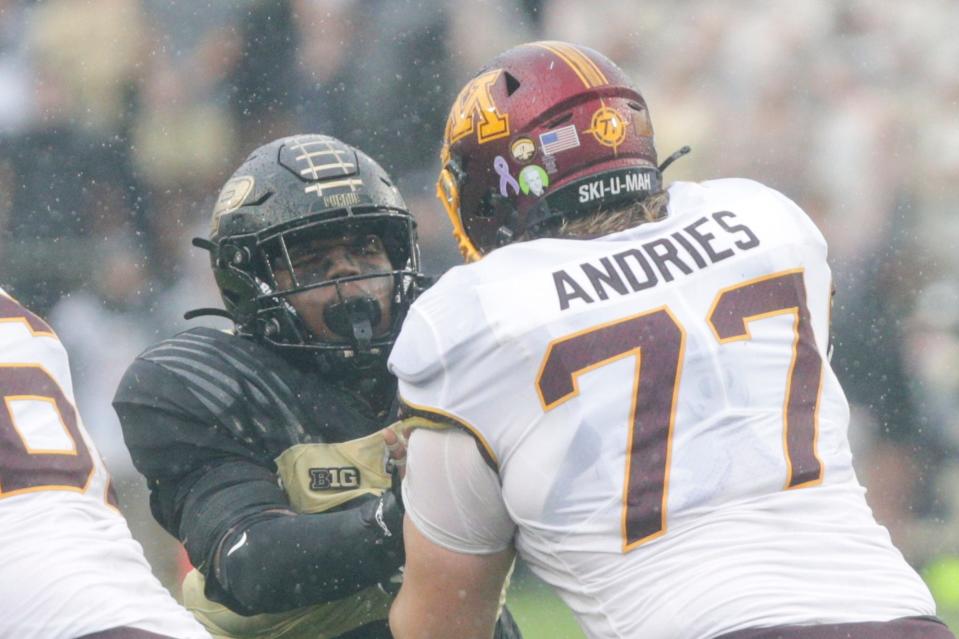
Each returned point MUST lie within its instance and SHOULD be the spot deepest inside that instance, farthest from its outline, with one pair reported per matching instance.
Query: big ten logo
(474, 102)
(334, 478)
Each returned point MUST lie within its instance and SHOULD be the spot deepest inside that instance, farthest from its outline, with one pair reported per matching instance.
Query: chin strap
(675, 156)
(206, 245)
(201, 312)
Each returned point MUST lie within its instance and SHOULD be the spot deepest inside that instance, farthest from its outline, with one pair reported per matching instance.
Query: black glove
(385, 514)
(396, 483)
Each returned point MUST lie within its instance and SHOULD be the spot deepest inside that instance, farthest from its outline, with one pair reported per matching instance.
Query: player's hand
(395, 437)
(395, 441)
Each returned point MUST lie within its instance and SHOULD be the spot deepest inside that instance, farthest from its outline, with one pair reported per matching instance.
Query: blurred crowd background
(120, 120)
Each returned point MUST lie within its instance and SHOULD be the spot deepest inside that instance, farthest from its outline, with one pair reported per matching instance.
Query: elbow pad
(292, 561)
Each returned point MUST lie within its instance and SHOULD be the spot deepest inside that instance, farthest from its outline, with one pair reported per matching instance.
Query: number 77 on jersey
(658, 341)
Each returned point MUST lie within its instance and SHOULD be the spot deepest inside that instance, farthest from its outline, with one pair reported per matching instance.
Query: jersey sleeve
(441, 338)
(220, 496)
(452, 496)
(806, 228)
(452, 492)
(422, 369)
(416, 358)
(768, 203)
(202, 483)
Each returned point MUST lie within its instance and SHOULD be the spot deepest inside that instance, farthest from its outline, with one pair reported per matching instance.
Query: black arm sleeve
(201, 485)
(291, 561)
(208, 496)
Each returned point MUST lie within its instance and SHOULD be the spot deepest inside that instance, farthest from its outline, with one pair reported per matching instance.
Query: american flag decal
(559, 139)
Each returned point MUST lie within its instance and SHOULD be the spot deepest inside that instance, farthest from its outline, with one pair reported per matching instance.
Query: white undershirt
(452, 496)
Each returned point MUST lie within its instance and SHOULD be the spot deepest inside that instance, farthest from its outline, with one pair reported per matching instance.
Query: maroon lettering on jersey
(657, 341)
(779, 294)
(903, 628)
(112, 498)
(12, 311)
(23, 469)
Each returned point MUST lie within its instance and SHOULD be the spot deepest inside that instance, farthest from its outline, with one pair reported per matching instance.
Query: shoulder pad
(244, 385)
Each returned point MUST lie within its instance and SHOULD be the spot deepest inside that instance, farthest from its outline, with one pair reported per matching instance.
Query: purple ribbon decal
(505, 179)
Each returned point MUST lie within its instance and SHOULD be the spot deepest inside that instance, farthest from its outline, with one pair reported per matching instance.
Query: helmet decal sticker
(624, 182)
(641, 123)
(476, 101)
(349, 183)
(321, 157)
(232, 195)
(522, 149)
(608, 127)
(294, 198)
(505, 179)
(533, 179)
(343, 200)
(585, 118)
(559, 139)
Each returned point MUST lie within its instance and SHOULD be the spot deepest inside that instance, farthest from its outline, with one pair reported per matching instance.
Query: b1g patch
(342, 478)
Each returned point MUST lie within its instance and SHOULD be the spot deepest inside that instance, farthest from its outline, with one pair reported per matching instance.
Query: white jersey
(669, 438)
(68, 565)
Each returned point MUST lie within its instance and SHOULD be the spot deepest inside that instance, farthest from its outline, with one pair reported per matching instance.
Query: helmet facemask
(290, 201)
(349, 315)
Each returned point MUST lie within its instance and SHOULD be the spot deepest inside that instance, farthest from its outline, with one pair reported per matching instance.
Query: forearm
(445, 594)
(289, 561)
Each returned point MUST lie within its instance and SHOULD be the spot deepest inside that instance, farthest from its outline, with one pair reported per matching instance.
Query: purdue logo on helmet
(535, 126)
(297, 187)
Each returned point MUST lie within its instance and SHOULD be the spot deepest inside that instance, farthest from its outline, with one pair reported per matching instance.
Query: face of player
(535, 183)
(317, 260)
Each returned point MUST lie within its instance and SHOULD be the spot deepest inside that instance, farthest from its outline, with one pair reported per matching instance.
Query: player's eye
(368, 245)
(311, 269)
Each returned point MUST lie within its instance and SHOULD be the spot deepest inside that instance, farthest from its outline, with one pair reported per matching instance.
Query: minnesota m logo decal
(475, 104)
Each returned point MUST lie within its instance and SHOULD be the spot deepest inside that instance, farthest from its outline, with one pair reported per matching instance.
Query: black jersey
(252, 401)
(206, 413)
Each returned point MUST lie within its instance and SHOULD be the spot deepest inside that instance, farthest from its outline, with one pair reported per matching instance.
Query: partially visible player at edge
(70, 567)
(265, 447)
(634, 386)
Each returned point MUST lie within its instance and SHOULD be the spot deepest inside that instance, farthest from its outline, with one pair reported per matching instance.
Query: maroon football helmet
(546, 129)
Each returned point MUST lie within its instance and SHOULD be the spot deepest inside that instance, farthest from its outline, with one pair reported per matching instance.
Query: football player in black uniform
(264, 448)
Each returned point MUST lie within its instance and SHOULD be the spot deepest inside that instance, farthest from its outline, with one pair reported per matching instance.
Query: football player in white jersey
(68, 565)
(628, 386)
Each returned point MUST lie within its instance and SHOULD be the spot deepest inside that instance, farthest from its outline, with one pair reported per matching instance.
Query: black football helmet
(295, 189)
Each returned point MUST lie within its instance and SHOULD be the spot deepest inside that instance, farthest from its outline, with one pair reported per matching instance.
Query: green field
(541, 615)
